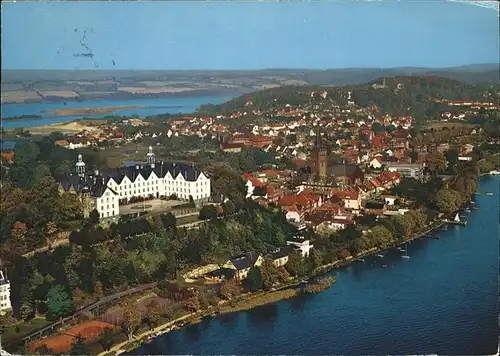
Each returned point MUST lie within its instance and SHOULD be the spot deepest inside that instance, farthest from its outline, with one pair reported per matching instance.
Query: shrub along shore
(317, 283)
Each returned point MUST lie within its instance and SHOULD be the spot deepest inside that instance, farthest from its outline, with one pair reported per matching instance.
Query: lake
(443, 300)
(151, 107)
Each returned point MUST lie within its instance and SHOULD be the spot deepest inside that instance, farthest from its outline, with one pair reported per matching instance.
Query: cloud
(494, 5)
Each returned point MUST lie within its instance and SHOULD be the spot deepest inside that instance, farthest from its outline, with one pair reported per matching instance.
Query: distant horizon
(486, 64)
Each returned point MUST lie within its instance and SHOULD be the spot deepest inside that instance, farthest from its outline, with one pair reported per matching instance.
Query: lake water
(443, 300)
(152, 107)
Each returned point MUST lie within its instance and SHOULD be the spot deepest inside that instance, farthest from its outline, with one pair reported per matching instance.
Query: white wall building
(106, 190)
(4, 292)
(303, 244)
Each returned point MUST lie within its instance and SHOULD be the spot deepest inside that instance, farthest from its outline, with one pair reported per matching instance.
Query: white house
(293, 215)
(303, 245)
(4, 292)
(376, 162)
(105, 190)
(390, 199)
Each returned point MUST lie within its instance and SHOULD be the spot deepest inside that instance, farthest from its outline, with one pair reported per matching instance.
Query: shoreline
(198, 316)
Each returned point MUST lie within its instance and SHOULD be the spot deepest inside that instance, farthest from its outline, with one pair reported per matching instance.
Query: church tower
(319, 157)
(80, 167)
(151, 157)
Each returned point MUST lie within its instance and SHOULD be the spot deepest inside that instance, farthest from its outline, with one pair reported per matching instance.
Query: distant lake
(151, 107)
(7, 144)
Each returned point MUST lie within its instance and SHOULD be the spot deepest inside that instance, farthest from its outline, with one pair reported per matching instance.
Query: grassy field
(116, 156)
(16, 332)
(187, 220)
(456, 125)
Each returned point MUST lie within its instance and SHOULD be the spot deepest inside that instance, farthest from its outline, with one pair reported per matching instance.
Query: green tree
(381, 237)
(452, 157)
(59, 302)
(153, 314)
(78, 347)
(228, 207)
(485, 165)
(192, 305)
(208, 212)
(447, 200)
(315, 259)
(436, 162)
(254, 279)
(106, 339)
(43, 350)
(296, 265)
(94, 217)
(270, 274)
(27, 303)
(168, 220)
(228, 289)
(131, 320)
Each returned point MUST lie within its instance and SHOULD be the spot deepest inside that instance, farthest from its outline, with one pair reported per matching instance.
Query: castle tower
(319, 157)
(150, 157)
(80, 167)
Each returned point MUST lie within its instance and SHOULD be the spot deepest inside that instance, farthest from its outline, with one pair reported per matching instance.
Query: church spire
(318, 137)
(151, 157)
(80, 167)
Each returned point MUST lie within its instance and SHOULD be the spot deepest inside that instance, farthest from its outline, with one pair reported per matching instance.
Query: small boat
(400, 249)
(467, 210)
(475, 208)
(149, 340)
(406, 253)
(361, 260)
(489, 193)
(379, 255)
(384, 266)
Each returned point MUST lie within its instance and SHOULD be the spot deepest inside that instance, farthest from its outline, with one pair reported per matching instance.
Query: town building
(301, 243)
(319, 158)
(105, 191)
(242, 264)
(4, 292)
(408, 170)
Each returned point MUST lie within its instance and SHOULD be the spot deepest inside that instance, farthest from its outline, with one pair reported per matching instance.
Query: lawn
(443, 124)
(10, 333)
(187, 219)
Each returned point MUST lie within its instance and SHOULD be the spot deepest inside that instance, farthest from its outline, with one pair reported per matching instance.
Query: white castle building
(4, 292)
(105, 191)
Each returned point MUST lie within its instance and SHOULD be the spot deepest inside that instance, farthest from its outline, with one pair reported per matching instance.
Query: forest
(401, 96)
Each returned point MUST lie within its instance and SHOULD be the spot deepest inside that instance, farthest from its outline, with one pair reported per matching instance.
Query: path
(140, 337)
(46, 247)
(89, 308)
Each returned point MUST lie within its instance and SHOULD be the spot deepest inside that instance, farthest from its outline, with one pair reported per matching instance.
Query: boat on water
(467, 210)
(489, 193)
(379, 255)
(406, 253)
(456, 221)
(400, 249)
(475, 208)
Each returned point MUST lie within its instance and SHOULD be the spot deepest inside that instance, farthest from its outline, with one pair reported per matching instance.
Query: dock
(454, 222)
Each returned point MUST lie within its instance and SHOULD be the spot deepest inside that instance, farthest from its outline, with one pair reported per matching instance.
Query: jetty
(456, 221)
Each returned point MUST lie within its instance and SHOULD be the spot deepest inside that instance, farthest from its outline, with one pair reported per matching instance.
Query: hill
(60, 85)
(399, 95)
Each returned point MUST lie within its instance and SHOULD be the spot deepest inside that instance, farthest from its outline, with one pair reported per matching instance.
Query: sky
(247, 35)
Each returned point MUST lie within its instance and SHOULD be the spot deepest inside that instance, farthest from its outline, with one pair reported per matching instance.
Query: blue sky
(247, 35)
